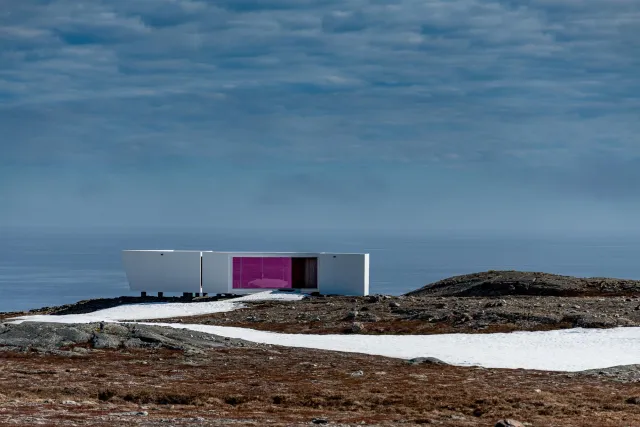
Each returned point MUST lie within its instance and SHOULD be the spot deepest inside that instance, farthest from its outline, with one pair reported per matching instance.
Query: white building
(246, 272)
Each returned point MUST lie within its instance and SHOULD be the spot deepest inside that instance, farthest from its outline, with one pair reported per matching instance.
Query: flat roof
(246, 252)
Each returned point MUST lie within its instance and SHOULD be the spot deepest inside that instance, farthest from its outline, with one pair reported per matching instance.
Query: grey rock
(590, 321)
(463, 318)
(351, 315)
(499, 303)
(426, 361)
(133, 343)
(50, 337)
(47, 336)
(623, 374)
(357, 374)
(104, 341)
(369, 317)
(116, 329)
(394, 304)
(357, 327)
(509, 423)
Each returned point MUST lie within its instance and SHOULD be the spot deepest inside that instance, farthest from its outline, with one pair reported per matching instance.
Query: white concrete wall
(162, 271)
(343, 274)
(216, 272)
(179, 271)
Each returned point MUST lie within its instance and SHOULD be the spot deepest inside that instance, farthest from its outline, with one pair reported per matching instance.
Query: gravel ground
(287, 386)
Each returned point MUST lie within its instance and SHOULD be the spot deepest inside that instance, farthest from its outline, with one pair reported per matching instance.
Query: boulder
(509, 423)
(357, 327)
(351, 315)
(102, 340)
(426, 361)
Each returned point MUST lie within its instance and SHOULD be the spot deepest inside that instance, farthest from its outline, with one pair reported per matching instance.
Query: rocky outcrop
(54, 337)
(624, 374)
(499, 283)
(509, 423)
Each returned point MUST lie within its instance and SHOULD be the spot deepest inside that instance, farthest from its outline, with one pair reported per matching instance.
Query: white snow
(565, 350)
(161, 310)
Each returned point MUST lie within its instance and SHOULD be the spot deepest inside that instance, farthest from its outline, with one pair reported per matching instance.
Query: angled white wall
(162, 271)
(216, 274)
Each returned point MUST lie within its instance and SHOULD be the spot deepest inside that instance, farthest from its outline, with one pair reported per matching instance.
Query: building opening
(304, 273)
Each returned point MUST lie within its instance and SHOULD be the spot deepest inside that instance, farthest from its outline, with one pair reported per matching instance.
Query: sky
(387, 115)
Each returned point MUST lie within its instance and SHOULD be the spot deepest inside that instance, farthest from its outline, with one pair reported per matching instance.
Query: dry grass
(295, 385)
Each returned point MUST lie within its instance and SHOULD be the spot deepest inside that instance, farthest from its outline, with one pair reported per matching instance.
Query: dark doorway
(304, 273)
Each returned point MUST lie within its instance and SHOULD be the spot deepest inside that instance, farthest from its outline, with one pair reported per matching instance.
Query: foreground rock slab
(73, 340)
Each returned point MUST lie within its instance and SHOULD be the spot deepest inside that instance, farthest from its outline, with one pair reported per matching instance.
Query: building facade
(246, 272)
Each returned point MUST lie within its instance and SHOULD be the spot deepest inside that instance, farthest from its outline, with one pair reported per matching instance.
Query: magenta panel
(261, 272)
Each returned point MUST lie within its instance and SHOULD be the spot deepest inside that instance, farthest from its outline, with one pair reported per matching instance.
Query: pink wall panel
(261, 273)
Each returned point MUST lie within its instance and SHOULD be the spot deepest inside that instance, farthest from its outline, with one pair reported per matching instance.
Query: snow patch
(563, 350)
(161, 310)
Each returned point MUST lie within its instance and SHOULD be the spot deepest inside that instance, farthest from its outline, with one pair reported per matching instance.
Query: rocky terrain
(494, 301)
(500, 283)
(428, 315)
(104, 374)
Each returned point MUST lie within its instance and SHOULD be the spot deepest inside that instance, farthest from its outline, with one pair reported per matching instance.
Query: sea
(50, 266)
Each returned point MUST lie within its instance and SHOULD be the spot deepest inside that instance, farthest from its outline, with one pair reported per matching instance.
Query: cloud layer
(347, 99)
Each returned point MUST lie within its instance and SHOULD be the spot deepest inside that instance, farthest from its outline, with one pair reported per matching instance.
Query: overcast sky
(424, 115)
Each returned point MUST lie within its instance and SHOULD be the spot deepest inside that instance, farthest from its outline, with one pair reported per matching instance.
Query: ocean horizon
(46, 267)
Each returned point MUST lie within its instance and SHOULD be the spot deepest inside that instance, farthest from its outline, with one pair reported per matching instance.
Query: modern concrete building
(246, 272)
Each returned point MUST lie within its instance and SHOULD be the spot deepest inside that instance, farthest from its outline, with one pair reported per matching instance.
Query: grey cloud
(397, 81)
(313, 187)
(342, 22)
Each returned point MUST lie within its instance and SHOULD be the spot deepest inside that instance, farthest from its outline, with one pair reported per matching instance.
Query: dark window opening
(304, 273)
